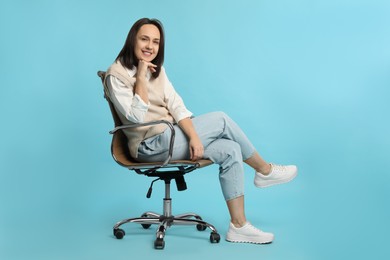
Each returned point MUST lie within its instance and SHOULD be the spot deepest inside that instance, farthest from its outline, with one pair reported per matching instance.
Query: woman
(141, 92)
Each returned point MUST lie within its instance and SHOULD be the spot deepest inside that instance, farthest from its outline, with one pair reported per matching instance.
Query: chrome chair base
(149, 218)
(165, 221)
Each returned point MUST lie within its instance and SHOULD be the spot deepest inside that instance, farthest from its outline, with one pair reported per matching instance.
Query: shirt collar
(132, 72)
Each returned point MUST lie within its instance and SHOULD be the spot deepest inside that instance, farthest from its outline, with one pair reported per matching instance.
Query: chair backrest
(119, 147)
(117, 121)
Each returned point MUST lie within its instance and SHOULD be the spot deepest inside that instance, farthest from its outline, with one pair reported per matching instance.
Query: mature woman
(141, 91)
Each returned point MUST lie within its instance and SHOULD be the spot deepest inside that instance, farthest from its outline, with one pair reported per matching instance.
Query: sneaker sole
(271, 183)
(245, 240)
(249, 242)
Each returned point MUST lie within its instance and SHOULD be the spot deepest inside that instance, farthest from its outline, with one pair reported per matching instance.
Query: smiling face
(147, 42)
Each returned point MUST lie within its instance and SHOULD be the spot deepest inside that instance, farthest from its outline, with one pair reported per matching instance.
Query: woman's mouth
(147, 53)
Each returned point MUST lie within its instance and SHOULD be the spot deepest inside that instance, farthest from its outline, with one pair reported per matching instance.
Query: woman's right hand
(143, 67)
(141, 79)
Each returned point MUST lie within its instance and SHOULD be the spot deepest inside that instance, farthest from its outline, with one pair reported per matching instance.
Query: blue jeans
(224, 144)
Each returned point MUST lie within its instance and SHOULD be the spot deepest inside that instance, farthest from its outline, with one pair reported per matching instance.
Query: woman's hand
(143, 67)
(196, 149)
(141, 80)
(195, 145)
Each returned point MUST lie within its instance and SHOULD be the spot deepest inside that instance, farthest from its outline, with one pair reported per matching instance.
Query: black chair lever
(149, 194)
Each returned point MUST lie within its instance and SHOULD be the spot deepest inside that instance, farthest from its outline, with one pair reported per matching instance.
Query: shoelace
(278, 168)
(254, 228)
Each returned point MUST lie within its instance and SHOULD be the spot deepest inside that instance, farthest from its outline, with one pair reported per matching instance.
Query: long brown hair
(127, 56)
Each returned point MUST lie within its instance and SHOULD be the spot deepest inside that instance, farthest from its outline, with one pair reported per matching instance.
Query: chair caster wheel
(119, 233)
(215, 237)
(145, 226)
(201, 227)
(159, 243)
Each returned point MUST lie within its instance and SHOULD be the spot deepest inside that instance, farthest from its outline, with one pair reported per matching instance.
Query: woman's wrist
(141, 79)
(194, 137)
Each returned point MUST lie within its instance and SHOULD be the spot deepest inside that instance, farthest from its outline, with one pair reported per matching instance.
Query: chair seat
(121, 154)
(137, 165)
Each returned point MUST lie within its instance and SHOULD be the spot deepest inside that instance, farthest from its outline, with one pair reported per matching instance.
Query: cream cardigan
(164, 103)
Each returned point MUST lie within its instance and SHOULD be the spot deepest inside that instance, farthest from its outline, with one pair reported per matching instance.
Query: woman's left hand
(195, 145)
(196, 149)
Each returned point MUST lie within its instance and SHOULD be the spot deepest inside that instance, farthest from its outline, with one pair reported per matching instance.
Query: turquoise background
(308, 81)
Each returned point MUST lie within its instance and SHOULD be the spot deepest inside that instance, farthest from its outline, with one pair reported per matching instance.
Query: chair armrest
(172, 137)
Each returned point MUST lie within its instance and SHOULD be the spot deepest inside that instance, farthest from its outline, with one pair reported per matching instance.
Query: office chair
(166, 171)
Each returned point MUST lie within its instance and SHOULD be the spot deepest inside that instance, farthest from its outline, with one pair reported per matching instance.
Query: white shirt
(134, 108)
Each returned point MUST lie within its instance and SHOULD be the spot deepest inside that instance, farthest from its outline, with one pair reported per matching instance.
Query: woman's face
(147, 42)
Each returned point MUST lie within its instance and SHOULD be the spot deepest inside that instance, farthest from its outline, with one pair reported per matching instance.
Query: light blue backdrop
(307, 80)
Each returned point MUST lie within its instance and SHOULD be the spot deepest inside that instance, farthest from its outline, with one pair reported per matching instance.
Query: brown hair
(127, 56)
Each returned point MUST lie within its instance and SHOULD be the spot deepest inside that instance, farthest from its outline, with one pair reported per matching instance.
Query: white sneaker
(279, 174)
(248, 234)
